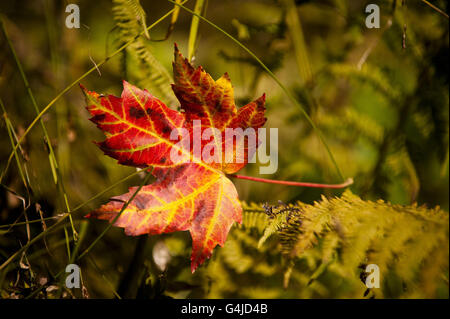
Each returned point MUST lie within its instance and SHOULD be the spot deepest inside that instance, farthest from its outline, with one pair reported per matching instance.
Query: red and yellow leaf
(195, 196)
(188, 197)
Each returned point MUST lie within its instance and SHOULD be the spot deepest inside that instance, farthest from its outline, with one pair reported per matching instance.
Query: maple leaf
(195, 196)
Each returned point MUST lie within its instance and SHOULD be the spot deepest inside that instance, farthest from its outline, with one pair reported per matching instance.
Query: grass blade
(192, 43)
(298, 40)
(52, 158)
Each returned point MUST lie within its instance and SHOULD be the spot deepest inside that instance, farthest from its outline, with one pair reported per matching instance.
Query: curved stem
(348, 182)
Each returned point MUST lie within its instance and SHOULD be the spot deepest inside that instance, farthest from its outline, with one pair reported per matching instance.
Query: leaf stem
(348, 182)
(274, 77)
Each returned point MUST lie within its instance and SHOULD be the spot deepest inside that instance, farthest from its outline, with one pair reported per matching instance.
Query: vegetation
(348, 101)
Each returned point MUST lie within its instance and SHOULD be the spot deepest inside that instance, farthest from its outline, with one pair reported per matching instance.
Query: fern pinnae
(330, 243)
(352, 124)
(281, 217)
(276, 224)
(419, 250)
(234, 256)
(433, 271)
(253, 217)
(384, 252)
(315, 221)
(369, 74)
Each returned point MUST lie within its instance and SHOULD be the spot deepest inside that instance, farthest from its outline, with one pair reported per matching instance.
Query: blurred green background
(380, 97)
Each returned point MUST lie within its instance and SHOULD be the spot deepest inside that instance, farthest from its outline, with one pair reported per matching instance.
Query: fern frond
(129, 17)
(344, 234)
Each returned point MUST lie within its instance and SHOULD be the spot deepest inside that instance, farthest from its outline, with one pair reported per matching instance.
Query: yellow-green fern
(345, 234)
